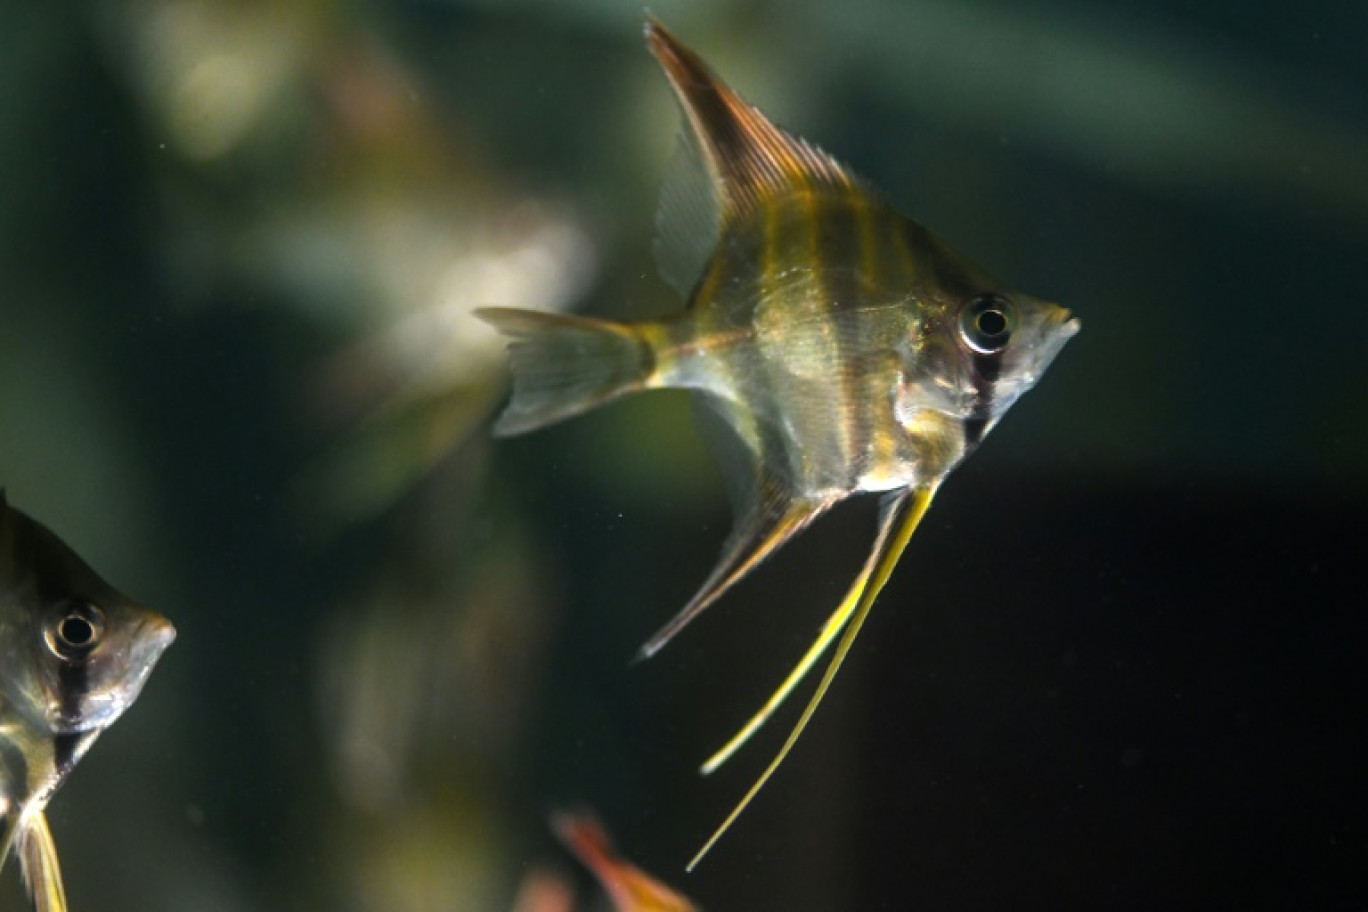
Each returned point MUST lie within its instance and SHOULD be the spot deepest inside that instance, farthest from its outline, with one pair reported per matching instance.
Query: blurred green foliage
(239, 243)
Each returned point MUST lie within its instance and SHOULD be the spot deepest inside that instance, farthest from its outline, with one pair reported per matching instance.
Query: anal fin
(776, 517)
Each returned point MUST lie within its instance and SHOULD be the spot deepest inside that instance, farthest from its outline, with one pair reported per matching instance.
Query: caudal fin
(563, 365)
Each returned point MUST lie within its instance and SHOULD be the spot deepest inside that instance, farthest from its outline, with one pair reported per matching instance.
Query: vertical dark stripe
(986, 370)
(64, 749)
(73, 682)
(974, 427)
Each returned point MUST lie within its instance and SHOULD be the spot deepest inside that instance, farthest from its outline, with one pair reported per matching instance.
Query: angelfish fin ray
(565, 364)
(908, 509)
(749, 159)
(888, 512)
(38, 862)
(776, 515)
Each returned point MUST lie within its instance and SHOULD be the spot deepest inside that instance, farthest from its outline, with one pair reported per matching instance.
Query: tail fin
(563, 365)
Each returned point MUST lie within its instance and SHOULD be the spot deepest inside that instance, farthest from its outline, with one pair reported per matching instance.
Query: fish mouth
(155, 635)
(1067, 325)
(1058, 327)
(159, 634)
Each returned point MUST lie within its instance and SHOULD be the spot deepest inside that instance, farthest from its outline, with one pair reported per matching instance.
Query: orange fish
(631, 889)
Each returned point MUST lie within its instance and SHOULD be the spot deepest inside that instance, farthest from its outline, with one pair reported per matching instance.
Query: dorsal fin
(687, 217)
(749, 159)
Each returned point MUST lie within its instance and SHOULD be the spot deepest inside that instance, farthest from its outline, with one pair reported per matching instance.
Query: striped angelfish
(840, 347)
(74, 653)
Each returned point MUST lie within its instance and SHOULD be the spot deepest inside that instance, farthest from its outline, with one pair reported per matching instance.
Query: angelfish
(838, 346)
(74, 654)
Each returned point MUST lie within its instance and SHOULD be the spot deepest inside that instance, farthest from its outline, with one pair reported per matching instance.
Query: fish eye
(76, 632)
(986, 323)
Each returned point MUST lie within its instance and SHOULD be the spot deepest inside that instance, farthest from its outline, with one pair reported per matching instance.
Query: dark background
(1119, 666)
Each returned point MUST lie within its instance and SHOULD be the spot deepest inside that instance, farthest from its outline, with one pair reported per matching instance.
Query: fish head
(74, 651)
(975, 348)
(1006, 341)
(95, 658)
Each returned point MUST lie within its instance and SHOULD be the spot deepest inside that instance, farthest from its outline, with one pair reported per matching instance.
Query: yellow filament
(882, 568)
(833, 626)
(42, 872)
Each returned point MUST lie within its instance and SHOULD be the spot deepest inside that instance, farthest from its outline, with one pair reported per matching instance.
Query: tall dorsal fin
(749, 159)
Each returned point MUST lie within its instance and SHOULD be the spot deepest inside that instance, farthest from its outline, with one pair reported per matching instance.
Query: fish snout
(162, 631)
(156, 634)
(1068, 325)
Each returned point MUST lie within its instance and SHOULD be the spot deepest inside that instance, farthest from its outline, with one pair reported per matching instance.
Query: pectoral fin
(38, 861)
(899, 519)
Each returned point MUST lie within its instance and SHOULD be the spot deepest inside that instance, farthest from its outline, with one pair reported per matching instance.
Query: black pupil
(992, 323)
(76, 630)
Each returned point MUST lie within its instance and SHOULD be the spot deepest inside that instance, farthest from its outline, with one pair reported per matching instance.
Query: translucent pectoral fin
(902, 513)
(38, 861)
(775, 519)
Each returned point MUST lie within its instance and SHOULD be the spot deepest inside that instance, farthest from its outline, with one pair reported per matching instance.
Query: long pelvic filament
(833, 626)
(41, 869)
(911, 507)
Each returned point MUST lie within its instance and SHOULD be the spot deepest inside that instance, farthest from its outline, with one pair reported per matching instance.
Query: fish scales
(812, 280)
(827, 311)
(844, 348)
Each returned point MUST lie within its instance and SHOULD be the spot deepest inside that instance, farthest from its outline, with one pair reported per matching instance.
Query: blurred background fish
(74, 655)
(632, 889)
